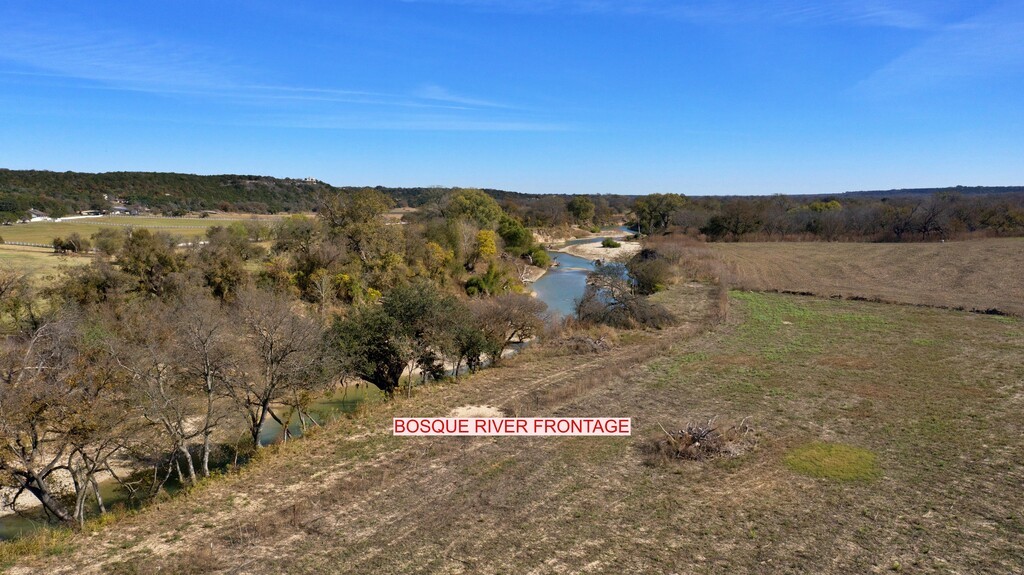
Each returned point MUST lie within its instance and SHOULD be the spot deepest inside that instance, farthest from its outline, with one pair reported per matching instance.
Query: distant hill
(60, 193)
(72, 191)
(963, 190)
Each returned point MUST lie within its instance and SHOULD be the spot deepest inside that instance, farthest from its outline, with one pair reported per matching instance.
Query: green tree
(581, 209)
(340, 210)
(379, 342)
(518, 240)
(109, 241)
(475, 206)
(152, 259)
(654, 212)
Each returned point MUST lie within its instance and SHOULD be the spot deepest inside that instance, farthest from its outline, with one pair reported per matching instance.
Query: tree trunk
(207, 424)
(189, 465)
(37, 488)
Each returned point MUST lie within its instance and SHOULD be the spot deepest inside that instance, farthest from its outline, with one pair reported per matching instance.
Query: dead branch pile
(697, 442)
(585, 344)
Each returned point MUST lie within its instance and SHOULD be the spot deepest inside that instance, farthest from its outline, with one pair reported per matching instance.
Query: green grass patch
(834, 461)
(45, 542)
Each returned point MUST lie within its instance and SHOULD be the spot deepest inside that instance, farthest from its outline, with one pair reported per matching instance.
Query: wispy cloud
(885, 13)
(113, 57)
(988, 45)
(89, 59)
(404, 122)
(437, 93)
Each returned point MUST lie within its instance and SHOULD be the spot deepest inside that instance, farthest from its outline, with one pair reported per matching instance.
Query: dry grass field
(37, 262)
(44, 232)
(886, 438)
(975, 274)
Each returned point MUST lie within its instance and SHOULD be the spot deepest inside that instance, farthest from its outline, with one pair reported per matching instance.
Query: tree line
(156, 362)
(856, 217)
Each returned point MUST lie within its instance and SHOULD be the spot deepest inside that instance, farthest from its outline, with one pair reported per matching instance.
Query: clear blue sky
(573, 96)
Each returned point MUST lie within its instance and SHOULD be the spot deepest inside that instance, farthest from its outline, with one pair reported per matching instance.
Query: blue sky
(567, 96)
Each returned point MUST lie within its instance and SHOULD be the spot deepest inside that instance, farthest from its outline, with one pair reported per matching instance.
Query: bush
(650, 274)
(610, 243)
(540, 257)
(609, 299)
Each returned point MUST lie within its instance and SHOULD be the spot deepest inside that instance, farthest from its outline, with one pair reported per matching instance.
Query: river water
(564, 283)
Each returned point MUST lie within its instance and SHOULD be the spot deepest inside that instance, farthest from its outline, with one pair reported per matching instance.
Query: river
(565, 282)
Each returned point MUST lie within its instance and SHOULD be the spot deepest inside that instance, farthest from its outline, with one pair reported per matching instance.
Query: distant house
(90, 213)
(120, 211)
(37, 216)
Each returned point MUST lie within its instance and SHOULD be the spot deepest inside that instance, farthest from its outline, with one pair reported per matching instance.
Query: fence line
(27, 244)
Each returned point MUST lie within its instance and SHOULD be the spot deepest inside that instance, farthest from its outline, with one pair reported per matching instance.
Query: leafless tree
(148, 353)
(207, 356)
(63, 410)
(506, 318)
(282, 356)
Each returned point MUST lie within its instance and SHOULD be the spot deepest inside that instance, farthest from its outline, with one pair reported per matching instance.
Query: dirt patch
(476, 411)
(742, 360)
(595, 251)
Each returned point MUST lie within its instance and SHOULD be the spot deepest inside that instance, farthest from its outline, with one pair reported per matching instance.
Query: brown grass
(974, 275)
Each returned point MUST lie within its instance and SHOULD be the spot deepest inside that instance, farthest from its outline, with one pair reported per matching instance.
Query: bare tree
(63, 410)
(148, 353)
(506, 318)
(282, 356)
(207, 355)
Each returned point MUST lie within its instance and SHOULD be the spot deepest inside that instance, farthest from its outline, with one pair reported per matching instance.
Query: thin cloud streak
(985, 46)
(433, 92)
(882, 13)
(115, 61)
(409, 123)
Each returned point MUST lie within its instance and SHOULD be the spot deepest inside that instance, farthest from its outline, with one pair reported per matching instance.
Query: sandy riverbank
(533, 273)
(594, 251)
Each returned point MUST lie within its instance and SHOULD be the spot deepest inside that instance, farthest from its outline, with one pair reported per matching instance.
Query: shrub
(540, 257)
(650, 274)
(610, 243)
(609, 299)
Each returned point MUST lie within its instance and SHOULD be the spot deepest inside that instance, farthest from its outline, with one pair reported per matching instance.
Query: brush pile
(698, 442)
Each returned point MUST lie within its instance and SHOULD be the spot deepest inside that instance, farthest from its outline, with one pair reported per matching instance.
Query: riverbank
(595, 251)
